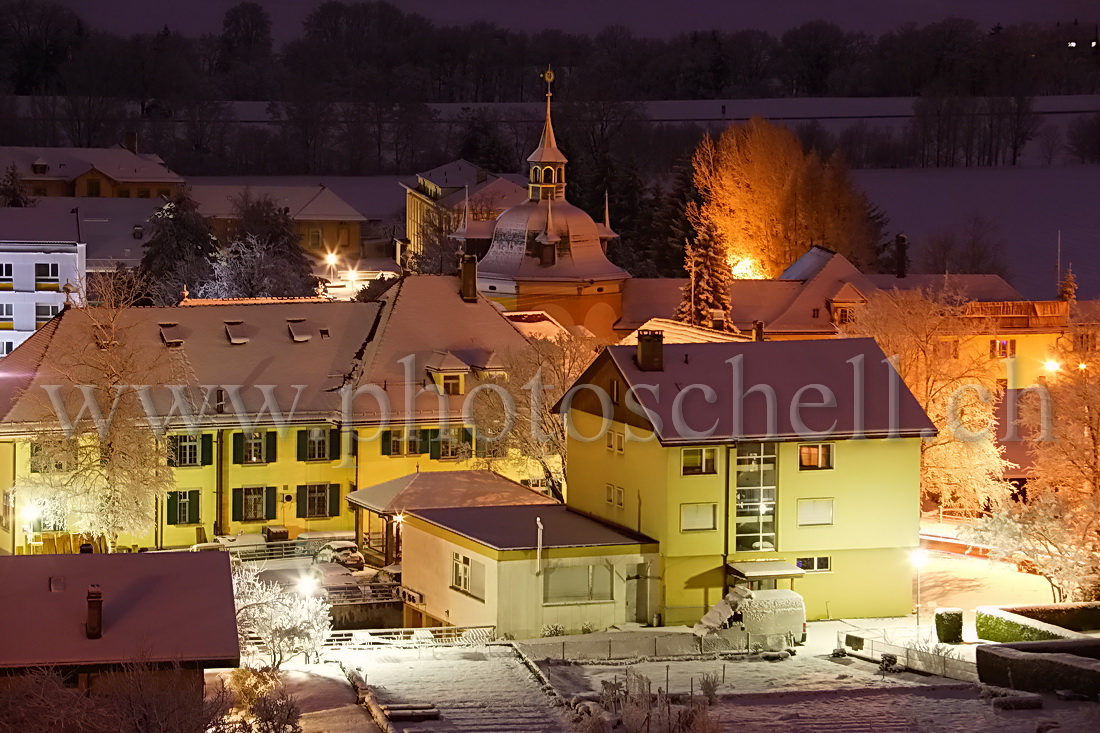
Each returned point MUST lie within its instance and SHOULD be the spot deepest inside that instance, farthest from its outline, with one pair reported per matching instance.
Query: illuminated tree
(944, 360)
(770, 202)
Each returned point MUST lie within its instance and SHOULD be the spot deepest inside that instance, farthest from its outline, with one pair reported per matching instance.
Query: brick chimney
(757, 330)
(651, 350)
(131, 141)
(468, 278)
(93, 627)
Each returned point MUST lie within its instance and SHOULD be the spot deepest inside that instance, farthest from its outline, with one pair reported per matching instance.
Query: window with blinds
(815, 511)
(578, 584)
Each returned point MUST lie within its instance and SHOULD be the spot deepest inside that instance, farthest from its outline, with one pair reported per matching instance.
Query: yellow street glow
(330, 259)
(918, 557)
(1080, 366)
(1052, 366)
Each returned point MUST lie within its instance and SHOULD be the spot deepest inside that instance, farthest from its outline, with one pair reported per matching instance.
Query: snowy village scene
(582, 366)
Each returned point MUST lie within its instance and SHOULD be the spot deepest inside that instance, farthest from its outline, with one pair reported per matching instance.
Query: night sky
(645, 17)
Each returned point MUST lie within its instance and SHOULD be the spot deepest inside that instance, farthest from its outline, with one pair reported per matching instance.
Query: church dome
(547, 240)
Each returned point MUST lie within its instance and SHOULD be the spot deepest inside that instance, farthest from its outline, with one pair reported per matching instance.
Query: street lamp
(330, 260)
(918, 557)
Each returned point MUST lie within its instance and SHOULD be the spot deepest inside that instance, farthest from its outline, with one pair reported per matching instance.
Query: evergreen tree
(270, 229)
(13, 192)
(709, 277)
(179, 250)
(483, 144)
(671, 226)
(1067, 288)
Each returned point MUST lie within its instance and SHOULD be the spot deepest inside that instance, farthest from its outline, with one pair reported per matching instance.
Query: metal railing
(365, 593)
(635, 646)
(281, 550)
(360, 639)
(909, 653)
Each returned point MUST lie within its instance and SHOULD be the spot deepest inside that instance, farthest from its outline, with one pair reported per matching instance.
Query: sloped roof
(306, 203)
(786, 367)
(66, 164)
(496, 193)
(157, 607)
(979, 288)
(39, 225)
(457, 173)
(676, 332)
(106, 225)
(751, 300)
(436, 489)
(378, 198)
(514, 528)
(536, 324)
(316, 345)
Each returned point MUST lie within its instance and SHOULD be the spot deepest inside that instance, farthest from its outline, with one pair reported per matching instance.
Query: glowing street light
(307, 585)
(1051, 365)
(32, 512)
(919, 558)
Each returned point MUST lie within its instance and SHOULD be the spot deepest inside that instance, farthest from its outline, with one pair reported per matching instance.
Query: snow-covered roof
(787, 367)
(157, 607)
(377, 198)
(676, 332)
(981, 288)
(38, 225)
(66, 164)
(438, 489)
(106, 225)
(514, 528)
(758, 569)
(306, 203)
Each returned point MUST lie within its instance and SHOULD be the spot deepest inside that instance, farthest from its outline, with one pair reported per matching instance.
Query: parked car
(335, 580)
(340, 552)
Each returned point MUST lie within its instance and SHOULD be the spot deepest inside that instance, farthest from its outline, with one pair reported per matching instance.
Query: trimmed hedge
(1000, 624)
(1073, 616)
(949, 625)
(1042, 666)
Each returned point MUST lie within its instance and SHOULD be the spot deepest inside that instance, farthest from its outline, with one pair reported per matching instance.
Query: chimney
(468, 278)
(718, 319)
(131, 142)
(93, 627)
(651, 350)
(901, 255)
(757, 330)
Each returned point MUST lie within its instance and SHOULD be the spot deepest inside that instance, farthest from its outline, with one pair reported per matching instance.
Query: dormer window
(452, 384)
(40, 167)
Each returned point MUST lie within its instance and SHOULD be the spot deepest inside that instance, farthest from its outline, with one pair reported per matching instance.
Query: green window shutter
(172, 513)
(353, 442)
(193, 507)
(385, 442)
(238, 504)
(172, 441)
(303, 444)
(334, 444)
(272, 446)
(301, 501)
(271, 498)
(207, 449)
(425, 440)
(481, 447)
(238, 448)
(334, 500)
(433, 443)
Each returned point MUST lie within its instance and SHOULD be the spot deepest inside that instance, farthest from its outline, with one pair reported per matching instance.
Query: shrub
(708, 685)
(949, 625)
(995, 624)
(553, 630)
(249, 684)
(588, 627)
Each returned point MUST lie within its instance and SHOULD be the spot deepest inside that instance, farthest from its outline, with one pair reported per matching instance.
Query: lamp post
(330, 260)
(918, 557)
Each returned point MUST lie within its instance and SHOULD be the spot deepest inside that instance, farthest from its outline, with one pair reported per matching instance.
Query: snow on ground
(479, 689)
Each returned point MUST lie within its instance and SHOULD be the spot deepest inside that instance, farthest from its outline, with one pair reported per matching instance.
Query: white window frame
(708, 458)
(546, 601)
(461, 570)
(188, 446)
(610, 495)
(713, 516)
(819, 564)
(451, 384)
(620, 496)
(317, 445)
(251, 498)
(6, 272)
(317, 501)
(183, 501)
(52, 276)
(6, 347)
(450, 443)
(254, 447)
(7, 312)
(1002, 348)
(823, 449)
(620, 442)
(610, 440)
(813, 512)
(51, 308)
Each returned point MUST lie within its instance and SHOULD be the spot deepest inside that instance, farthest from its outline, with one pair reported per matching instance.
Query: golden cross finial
(548, 77)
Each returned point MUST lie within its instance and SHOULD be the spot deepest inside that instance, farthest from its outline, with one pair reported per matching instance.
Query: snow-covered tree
(706, 259)
(286, 623)
(13, 192)
(529, 430)
(251, 268)
(1067, 288)
(179, 249)
(101, 476)
(943, 359)
(261, 220)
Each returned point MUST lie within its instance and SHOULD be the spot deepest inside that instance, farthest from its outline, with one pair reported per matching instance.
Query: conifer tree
(179, 250)
(13, 192)
(1067, 289)
(709, 277)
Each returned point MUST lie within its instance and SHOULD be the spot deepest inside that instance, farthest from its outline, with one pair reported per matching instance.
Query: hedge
(1001, 624)
(949, 625)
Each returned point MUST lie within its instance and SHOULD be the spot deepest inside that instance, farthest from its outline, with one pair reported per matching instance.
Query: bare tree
(1050, 142)
(102, 471)
(943, 359)
(523, 427)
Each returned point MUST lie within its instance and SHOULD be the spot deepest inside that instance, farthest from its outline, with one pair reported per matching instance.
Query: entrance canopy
(444, 489)
(765, 569)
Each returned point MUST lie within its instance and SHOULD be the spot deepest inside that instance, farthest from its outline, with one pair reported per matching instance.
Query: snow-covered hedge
(995, 623)
(1073, 616)
(949, 625)
(1042, 666)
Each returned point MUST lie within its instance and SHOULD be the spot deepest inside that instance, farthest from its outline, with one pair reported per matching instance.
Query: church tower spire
(547, 163)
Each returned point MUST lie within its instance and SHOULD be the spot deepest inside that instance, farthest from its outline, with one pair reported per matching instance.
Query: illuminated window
(698, 517)
(404, 442)
(451, 443)
(757, 475)
(184, 450)
(1002, 348)
(815, 456)
(254, 445)
(317, 445)
(696, 461)
(254, 504)
(814, 564)
(813, 512)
